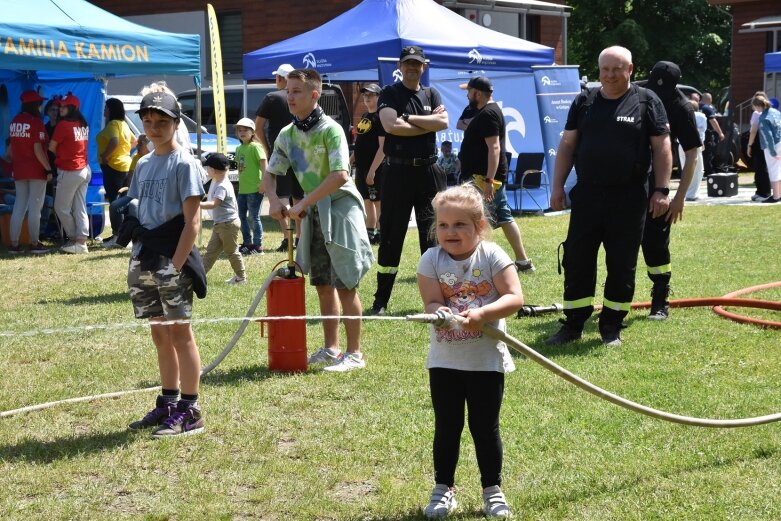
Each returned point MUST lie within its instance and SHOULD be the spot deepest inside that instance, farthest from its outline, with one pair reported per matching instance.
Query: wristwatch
(405, 116)
(662, 190)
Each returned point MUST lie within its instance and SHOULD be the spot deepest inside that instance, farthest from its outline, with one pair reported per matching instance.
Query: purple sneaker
(181, 423)
(154, 417)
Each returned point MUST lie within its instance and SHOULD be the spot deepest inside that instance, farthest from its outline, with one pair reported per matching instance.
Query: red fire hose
(730, 299)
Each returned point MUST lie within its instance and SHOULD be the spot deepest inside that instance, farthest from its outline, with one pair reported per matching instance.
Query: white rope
(194, 321)
(245, 321)
(440, 319)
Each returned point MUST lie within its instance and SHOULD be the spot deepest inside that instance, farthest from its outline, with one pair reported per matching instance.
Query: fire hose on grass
(441, 319)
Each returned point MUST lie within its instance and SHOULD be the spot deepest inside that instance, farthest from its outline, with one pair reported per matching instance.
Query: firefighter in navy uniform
(610, 136)
(411, 115)
(663, 80)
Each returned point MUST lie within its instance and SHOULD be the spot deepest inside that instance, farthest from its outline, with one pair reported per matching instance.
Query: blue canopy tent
(347, 47)
(76, 36)
(56, 46)
(72, 41)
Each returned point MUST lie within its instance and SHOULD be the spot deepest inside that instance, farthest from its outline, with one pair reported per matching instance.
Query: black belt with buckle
(412, 161)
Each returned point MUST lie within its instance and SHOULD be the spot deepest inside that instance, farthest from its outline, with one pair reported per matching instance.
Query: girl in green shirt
(251, 161)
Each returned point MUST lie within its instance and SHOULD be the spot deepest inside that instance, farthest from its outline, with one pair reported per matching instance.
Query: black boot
(566, 333)
(660, 306)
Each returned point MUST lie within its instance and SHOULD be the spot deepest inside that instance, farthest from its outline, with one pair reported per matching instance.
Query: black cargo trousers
(404, 187)
(656, 247)
(612, 216)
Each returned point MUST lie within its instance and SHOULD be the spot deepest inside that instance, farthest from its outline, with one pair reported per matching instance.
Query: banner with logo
(515, 95)
(557, 87)
(389, 72)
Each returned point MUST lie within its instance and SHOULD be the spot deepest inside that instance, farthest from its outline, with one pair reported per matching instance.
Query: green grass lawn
(357, 446)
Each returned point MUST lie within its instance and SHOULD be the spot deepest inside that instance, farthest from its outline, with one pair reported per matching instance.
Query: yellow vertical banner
(218, 89)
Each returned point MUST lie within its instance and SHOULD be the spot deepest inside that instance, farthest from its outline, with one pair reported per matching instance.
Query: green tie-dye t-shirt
(312, 155)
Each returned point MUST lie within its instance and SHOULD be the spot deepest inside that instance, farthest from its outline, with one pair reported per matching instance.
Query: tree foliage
(692, 33)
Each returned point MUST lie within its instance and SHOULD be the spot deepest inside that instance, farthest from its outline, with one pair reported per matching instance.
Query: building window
(229, 23)
(532, 29)
(773, 41)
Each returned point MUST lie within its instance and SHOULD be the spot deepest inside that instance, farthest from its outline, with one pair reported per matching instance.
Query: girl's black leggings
(482, 393)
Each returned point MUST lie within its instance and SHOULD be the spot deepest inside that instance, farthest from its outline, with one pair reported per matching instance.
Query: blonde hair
(760, 100)
(467, 198)
(158, 86)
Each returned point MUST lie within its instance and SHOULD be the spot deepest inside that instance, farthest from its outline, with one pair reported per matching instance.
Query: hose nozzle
(534, 311)
(439, 318)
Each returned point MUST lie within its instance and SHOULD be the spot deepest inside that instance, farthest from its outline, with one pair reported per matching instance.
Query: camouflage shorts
(321, 272)
(163, 292)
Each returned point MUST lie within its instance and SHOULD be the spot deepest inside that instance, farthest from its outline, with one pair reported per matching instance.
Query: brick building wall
(748, 49)
(263, 22)
(551, 35)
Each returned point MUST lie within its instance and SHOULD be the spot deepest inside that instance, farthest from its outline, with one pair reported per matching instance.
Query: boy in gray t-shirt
(225, 212)
(167, 185)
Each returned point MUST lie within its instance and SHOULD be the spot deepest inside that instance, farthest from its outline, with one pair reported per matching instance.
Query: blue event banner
(557, 87)
(514, 94)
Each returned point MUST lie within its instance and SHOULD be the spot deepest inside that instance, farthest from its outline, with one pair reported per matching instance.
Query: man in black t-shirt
(272, 116)
(482, 158)
(611, 135)
(663, 80)
(368, 157)
(411, 115)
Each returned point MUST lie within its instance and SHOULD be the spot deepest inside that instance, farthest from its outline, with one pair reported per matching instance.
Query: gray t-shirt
(467, 284)
(228, 210)
(161, 183)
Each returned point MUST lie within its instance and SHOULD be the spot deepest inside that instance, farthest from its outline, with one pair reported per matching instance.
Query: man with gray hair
(611, 134)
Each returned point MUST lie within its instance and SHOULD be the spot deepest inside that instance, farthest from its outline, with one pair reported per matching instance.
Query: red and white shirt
(26, 130)
(71, 139)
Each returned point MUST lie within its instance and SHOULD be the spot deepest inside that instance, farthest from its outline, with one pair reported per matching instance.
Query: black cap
(480, 83)
(371, 87)
(217, 161)
(664, 77)
(412, 52)
(162, 102)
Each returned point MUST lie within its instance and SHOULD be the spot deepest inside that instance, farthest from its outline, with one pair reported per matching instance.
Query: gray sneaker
(494, 503)
(442, 502)
(325, 355)
(347, 362)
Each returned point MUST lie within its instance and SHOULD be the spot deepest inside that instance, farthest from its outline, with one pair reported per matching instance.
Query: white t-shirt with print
(467, 284)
